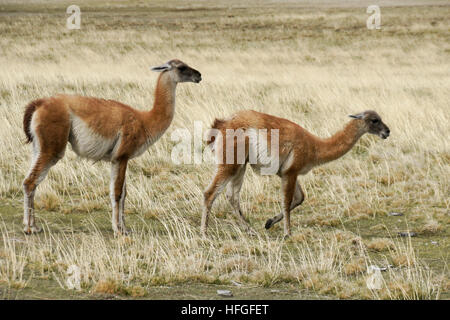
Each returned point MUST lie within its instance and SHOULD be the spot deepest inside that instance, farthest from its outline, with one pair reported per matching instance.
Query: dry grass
(431, 226)
(313, 66)
(381, 244)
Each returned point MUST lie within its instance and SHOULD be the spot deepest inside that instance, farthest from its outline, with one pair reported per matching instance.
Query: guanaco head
(179, 71)
(373, 123)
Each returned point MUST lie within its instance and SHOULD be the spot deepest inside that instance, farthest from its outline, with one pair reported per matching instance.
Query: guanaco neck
(158, 119)
(339, 144)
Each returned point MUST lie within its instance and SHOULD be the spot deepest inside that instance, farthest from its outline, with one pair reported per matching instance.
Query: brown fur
(217, 124)
(299, 151)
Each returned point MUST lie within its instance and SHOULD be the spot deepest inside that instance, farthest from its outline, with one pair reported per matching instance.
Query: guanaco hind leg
(232, 193)
(39, 169)
(49, 144)
(224, 174)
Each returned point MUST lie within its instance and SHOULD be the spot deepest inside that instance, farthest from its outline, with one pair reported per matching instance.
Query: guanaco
(98, 129)
(298, 152)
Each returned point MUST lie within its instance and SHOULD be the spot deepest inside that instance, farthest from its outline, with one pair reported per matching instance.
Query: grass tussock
(381, 244)
(431, 226)
(111, 287)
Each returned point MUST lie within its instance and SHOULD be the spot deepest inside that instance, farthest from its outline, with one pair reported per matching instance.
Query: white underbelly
(264, 160)
(88, 144)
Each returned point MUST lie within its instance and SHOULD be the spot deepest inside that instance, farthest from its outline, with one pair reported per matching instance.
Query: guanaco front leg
(288, 183)
(296, 201)
(118, 193)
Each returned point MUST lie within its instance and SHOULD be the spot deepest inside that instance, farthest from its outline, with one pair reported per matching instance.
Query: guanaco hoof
(32, 230)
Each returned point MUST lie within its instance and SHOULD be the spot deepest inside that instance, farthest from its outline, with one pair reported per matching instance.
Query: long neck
(339, 144)
(160, 117)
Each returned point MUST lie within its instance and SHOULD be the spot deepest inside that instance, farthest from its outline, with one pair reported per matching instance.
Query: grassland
(311, 63)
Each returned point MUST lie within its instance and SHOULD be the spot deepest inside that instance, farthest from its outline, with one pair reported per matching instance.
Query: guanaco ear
(357, 116)
(161, 68)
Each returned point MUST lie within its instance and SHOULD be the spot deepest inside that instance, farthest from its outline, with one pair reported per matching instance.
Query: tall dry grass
(312, 66)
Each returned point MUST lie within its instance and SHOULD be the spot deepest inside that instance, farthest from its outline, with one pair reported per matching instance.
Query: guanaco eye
(374, 121)
(182, 68)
